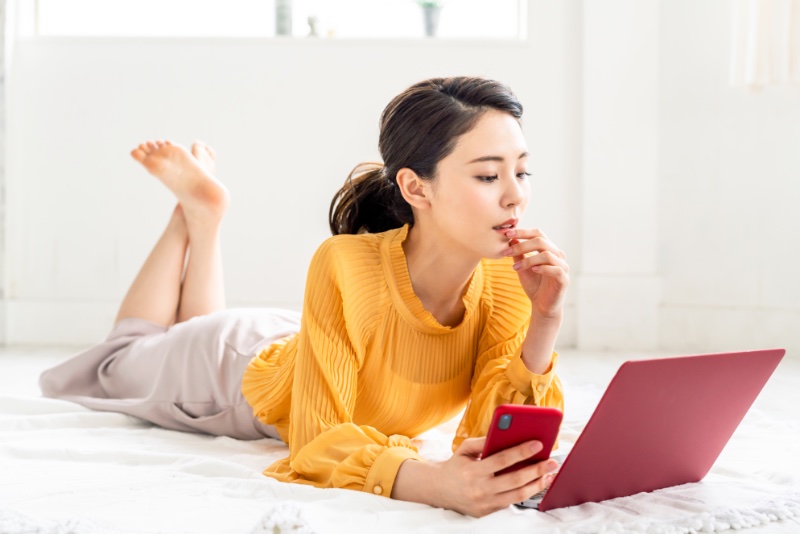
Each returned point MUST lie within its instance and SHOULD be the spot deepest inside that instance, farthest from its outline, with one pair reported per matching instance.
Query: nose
(514, 194)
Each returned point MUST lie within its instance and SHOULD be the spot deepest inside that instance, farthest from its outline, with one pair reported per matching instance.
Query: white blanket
(68, 470)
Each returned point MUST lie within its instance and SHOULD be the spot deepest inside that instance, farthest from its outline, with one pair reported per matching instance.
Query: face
(481, 185)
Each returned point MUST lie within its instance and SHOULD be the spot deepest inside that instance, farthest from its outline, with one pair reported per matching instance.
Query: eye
(487, 179)
(523, 175)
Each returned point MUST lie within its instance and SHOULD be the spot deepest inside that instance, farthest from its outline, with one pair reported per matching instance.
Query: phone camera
(504, 422)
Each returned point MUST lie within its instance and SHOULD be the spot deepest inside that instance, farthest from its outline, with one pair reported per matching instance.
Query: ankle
(203, 230)
(178, 218)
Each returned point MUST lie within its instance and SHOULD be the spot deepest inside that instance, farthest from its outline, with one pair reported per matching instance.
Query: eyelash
(487, 180)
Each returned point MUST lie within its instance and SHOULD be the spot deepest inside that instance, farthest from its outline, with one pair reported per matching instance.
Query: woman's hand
(542, 268)
(468, 484)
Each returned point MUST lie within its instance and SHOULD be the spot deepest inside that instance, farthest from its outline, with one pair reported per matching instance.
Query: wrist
(537, 349)
(418, 481)
(547, 321)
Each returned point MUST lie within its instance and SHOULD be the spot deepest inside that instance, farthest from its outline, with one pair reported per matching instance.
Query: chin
(495, 253)
(490, 249)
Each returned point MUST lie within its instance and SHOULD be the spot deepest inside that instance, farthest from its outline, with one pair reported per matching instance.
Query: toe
(167, 142)
(159, 143)
(199, 149)
(151, 145)
(138, 154)
(143, 148)
(212, 152)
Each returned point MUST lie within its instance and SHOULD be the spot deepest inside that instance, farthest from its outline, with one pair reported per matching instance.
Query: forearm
(416, 481)
(540, 341)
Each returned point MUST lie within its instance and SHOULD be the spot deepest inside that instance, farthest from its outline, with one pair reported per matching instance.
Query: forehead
(495, 133)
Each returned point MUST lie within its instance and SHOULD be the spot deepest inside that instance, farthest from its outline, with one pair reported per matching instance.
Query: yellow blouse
(370, 367)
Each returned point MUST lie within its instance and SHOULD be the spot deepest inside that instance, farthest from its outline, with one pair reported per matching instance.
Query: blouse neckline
(395, 266)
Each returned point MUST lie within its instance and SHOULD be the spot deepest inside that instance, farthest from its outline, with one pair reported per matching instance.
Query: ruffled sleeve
(500, 375)
(327, 449)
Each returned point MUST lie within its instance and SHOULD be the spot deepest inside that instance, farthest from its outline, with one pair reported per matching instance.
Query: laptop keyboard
(533, 501)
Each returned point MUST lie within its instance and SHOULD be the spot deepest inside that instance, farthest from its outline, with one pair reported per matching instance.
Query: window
(354, 19)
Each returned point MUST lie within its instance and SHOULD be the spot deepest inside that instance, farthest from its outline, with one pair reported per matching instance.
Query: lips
(511, 223)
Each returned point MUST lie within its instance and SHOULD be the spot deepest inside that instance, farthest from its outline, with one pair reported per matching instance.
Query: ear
(414, 189)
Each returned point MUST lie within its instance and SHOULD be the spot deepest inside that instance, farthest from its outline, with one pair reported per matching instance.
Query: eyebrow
(494, 158)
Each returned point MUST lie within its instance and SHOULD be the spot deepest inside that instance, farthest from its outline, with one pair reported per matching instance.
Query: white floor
(20, 366)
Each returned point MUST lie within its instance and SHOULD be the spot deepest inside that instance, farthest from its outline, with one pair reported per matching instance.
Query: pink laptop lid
(660, 423)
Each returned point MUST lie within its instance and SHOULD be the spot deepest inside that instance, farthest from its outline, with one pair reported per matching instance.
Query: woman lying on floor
(428, 297)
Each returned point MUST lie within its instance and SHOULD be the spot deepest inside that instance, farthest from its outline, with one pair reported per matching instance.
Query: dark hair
(418, 129)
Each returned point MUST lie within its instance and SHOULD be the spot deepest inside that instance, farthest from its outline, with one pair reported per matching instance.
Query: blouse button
(540, 388)
(377, 490)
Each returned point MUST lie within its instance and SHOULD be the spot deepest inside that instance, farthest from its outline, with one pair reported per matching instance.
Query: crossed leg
(170, 288)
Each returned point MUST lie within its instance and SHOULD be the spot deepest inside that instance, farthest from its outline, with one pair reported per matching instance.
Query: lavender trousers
(183, 377)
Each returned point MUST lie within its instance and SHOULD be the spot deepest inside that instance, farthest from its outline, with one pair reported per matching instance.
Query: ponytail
(418, 129)
(368, 202)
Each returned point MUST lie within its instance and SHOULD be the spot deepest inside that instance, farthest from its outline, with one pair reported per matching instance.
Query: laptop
(660, 423)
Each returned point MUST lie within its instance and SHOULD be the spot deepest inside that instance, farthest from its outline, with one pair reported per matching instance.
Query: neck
(439, 272)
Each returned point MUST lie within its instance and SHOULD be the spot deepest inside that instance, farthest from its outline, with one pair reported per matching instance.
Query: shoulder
(347, 247)
(502, 292)
(500, 278)
(347, 268)
(344, 259)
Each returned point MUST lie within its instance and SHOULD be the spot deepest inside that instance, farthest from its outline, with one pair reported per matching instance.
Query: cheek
(526, 191)
(472, 206)
(465, 205)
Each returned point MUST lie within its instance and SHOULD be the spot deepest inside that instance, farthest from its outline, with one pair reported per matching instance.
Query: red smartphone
(513, 424)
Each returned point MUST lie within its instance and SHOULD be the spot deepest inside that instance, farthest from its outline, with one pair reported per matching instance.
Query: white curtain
(765, 43)
(5, 51)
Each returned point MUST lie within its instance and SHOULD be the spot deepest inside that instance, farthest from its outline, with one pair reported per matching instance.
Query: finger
(511, 248)
(510, 456)
(471, 447)
(542, 259)
(536, 244)
(527, 491)
(515, 249)
(525, 233)
(553, 272)
(522, 477)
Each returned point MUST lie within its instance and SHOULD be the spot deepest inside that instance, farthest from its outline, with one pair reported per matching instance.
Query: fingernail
(552, 465)
(535, 446)
(549, 478)
(507, 251)
(510, 233)
(517, 266)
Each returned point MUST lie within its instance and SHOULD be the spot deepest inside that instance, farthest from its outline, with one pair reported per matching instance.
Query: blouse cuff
(380, 478)
(528, 383)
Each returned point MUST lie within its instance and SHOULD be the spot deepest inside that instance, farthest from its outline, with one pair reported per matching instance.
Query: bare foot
(189, 176)
(206, 155)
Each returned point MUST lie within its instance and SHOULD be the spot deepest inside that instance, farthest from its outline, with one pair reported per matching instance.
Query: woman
(428, 298)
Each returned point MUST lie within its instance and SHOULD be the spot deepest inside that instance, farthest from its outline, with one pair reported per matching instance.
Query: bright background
(674, 193)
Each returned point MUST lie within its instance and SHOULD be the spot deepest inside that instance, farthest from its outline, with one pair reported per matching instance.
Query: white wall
(618, 286)
(289, 120)
(729, 192)
(638, 142)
